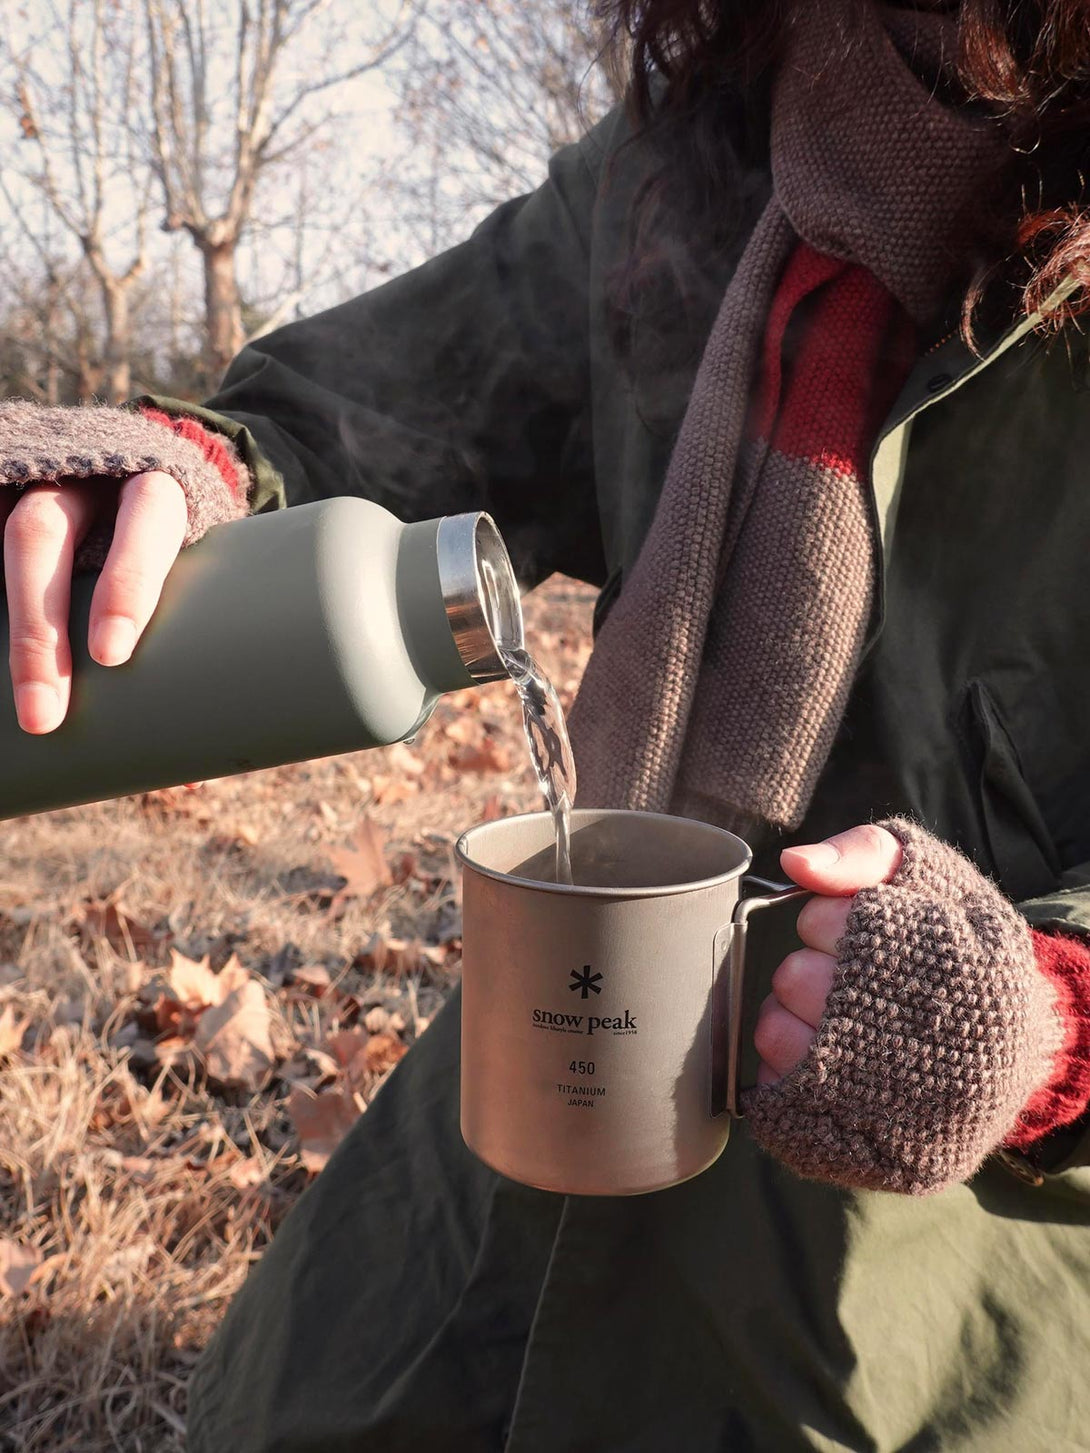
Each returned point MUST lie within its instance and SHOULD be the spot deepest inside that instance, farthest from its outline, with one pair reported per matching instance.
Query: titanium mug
(601, 1023)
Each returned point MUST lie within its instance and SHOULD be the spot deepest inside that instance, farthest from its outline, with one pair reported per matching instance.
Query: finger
(802, 982)
(766, 1075)
(822, 921)
(782, 1039)
(40, 539)
(858, 858)
(9, 498)
(148, 533)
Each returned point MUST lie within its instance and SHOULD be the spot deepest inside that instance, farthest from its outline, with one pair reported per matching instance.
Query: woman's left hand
(834, 871)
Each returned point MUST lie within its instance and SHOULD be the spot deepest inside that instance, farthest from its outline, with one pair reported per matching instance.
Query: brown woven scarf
(720, 677)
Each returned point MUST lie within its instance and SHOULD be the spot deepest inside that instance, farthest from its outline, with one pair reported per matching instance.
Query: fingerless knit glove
(47, 445)
(937, 1031)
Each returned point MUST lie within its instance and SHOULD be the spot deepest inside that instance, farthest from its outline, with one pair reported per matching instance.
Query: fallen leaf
(492, 809)
(363, 866)
(404, 761)
(345, 1046)
(247, 1173)
(388, 790)
(18, 1263)
(11, 1031)
(310, 1067)
(312, 979)
(159, 1012)
(321, 1122)
(462, 730)
(382, 1052)
(466, 700)
(233, 1036)
(195, 983)
(128, 1260)
(376, 1020)
(490, 756)
(406, 868)
(105, 918)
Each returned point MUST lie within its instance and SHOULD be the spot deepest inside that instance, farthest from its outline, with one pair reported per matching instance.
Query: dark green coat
(414, 1302)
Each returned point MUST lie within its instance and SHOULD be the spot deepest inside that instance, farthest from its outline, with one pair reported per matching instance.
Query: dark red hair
(1028, 61)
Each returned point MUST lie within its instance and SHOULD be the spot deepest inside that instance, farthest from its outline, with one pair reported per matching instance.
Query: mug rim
(587, 890)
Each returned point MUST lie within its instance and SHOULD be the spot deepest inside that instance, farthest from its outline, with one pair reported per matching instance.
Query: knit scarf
(720, 677)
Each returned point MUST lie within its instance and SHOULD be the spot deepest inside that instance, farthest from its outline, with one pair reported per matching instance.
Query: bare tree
(490, 90)
(231, 102)
(73, 90)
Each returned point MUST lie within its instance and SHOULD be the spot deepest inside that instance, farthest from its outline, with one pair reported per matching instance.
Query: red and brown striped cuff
(1065, 1098)
(43, 445)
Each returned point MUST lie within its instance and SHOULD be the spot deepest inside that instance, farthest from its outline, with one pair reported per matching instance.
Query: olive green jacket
(416, 1301)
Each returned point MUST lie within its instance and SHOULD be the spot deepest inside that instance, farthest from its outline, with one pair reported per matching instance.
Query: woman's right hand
(43, 527)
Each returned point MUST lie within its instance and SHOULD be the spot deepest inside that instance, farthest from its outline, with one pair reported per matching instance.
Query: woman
(718, 365)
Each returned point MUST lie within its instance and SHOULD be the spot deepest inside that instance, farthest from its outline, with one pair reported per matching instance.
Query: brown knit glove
(937, 1030)
(48, 445)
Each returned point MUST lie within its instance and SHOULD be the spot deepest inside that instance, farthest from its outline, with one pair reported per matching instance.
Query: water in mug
(550, 749)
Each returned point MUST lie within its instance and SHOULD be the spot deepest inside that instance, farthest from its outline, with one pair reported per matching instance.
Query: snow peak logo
(584, 983)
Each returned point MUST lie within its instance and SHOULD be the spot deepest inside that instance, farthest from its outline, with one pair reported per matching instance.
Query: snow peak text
(588, 1024)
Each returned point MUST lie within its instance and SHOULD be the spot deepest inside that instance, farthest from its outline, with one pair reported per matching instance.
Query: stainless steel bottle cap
(480, 592)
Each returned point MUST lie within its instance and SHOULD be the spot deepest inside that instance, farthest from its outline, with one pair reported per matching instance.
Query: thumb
(859, 858)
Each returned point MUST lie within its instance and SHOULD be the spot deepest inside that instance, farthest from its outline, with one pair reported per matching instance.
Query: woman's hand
(834, 870)
(43, 527)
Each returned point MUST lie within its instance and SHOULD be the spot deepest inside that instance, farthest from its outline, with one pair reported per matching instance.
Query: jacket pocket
(1024, 855)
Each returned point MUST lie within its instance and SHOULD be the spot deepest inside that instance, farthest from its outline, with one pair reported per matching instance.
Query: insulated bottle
(301, 633)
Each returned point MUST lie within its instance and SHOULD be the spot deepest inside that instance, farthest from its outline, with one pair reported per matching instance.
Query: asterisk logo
(585, 982)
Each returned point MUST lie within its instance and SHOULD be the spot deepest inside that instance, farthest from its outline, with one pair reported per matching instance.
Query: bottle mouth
(480, 593)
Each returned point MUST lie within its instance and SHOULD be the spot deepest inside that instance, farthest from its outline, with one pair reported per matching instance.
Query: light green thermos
(302, 633)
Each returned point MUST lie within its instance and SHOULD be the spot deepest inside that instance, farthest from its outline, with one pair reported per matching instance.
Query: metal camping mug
(601, 1023)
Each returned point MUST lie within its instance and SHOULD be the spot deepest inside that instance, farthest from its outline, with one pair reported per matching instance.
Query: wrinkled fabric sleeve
(1065, 910)
(462, 385)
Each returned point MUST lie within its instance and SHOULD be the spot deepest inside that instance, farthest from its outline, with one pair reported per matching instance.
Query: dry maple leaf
(18, 1264)
(11, 1031)
(363, 866)
(195, 983)
(233, 1035)
(321, 1122)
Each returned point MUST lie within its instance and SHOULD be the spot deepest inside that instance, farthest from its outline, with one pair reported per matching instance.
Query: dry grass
(146, 1190)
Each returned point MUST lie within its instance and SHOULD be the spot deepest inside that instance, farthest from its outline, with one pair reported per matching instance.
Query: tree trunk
(117, 355)
(88, 372)
(222, 308)
(52, 339)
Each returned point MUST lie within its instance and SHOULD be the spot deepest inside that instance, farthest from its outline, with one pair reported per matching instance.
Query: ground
(200, 989)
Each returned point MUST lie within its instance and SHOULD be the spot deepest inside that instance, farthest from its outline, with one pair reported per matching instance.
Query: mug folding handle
(729, 986)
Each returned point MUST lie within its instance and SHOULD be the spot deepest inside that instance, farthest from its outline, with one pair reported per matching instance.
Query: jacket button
(938, 382)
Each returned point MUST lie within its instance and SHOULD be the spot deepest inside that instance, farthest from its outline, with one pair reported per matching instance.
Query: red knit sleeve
(1065, 962)
(211, 445)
